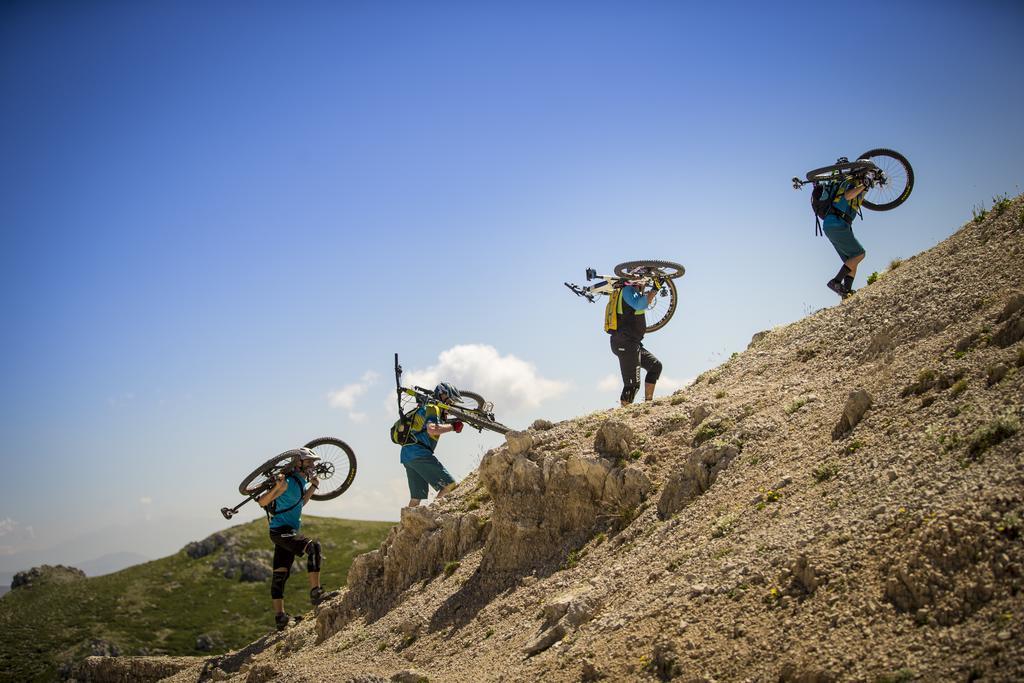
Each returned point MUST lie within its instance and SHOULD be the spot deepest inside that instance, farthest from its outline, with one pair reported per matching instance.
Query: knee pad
(277, 584)
(314, 553)
(654, 373)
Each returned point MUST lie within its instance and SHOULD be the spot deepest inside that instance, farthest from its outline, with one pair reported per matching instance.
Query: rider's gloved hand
(457, 426)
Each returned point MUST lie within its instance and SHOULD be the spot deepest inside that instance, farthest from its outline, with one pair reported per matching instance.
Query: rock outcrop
(45, 574)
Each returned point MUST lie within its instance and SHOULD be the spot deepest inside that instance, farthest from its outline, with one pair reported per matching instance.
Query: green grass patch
(958, 388)
(825, 471)
(162, 605)
(895, 263)
(991, 434)
(1000, 203)
(873, 278)
(451, 567)
(796, 405)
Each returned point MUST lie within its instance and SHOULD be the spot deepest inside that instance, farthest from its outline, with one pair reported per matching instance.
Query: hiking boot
(282, 619)
(837, 287)
(318, 595)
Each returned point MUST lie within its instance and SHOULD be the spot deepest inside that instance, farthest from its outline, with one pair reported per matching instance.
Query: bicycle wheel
(471, 400)
(666, 311)
(268, 470)
(895, 181)
(844, 169)
(666, 269)
(336, 468)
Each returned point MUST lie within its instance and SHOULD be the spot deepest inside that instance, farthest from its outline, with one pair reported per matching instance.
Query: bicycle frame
(479, 419)
(860, 168)
(608, 284)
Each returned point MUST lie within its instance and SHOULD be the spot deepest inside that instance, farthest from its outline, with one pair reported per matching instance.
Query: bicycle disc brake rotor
(325, 470)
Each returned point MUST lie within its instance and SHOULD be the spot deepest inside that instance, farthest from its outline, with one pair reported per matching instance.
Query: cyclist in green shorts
(422, 468)
(838, 227)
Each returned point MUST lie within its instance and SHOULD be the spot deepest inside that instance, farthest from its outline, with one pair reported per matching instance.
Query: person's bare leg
(648, 391)
(314, 579)
(413, 502)
(853, 263)
(278, 605)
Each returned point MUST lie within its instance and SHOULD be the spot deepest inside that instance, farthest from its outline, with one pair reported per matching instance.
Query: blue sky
(215, 215)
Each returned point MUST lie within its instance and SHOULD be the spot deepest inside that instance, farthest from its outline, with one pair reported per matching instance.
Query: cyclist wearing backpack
(283, 504)
(422, 468)
(841, 203)
(625, 321)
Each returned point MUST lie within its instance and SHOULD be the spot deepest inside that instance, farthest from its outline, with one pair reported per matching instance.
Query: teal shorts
(841, 237)
(426, 471)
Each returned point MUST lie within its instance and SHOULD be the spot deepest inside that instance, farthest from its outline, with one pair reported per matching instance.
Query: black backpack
(821, 202)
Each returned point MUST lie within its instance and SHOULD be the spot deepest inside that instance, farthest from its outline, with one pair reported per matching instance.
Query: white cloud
(146, 500)
(7, 526)
(610, 382)
(509, 382)
(347, 396)
(666, 384)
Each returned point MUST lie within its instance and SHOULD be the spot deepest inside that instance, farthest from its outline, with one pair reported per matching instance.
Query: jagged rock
(614, 439)
(804, 577)
(207, 546)
(664, 662)
(519, 442)
(1013, 304)
(542, 425)
(698, 415)
(545, 640)
(544, 508)
(103, 648)
(590, 673)
(758, 336)
(252, 566)
(967, 343)
(418, 547)
(205, 642)
(45, 573)
(262, 673)
(792, 673)
(1011, 332)
(880, 343)
(141, 669)
(695, 476)
(411, 626)
(996, 373)
(409, 676)
(857, 404)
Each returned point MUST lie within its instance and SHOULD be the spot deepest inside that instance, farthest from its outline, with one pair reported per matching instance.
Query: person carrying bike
(624, 320)
(283, 504)
(422, 468)
(838, 227)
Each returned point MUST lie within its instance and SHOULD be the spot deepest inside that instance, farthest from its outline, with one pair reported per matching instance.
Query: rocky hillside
(211, 596)
(841, 501)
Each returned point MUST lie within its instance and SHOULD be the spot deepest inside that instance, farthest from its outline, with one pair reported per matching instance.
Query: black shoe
(318, 595)
(282, 619)
(837, 287)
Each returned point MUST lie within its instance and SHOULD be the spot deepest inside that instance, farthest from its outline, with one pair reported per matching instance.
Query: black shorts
(287, 544)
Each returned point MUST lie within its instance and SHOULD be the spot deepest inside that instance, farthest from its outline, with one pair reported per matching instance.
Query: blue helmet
(449, 390)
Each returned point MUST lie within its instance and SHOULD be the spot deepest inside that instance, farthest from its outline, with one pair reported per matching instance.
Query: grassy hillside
(160, 607)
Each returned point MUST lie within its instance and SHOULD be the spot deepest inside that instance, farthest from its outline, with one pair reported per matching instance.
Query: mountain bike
(336, 468)
(887, 174)
(642, 275)
(472, 410)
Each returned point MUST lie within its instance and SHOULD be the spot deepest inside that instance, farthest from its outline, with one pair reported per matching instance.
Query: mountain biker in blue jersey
(283, 504)
(422, 468)
(625, 321)
(838, 227)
